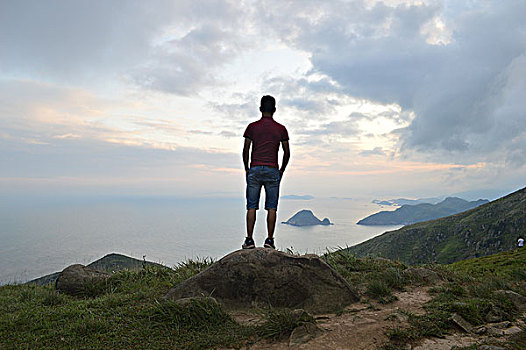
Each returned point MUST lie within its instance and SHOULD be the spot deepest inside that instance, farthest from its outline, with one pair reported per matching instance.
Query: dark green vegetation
(109, 263)
(409, 214)
(129, 314)
(488, 229)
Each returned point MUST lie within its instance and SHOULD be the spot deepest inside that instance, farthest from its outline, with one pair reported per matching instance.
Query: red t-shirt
(266, 135)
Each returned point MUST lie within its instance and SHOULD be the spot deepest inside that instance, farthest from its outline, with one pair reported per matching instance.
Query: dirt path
(361, 326)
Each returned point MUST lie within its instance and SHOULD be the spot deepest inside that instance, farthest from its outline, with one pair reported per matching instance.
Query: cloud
(318, 97)
(377, 151)
(457, 85)
(183, 66)
(71, 40)
(432, 82)
(54, 134)
(227, 133)
(169, 46)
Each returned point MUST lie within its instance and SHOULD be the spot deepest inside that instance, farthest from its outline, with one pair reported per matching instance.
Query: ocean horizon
(42, 235)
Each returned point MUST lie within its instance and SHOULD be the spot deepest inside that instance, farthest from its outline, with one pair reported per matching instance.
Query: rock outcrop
(79, 279)
(266, 276)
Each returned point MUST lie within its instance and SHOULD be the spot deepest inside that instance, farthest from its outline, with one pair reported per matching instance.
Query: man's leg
(271, 202)
(251, 221)
(271, 222)
(253, 192)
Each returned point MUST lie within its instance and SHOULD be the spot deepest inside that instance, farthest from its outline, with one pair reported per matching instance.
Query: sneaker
(249, 244)
(269, 243)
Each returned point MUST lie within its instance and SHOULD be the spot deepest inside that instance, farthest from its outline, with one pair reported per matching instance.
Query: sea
(40, 235)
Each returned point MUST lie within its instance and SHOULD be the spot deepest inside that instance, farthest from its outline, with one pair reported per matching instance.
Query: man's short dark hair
(268, 104)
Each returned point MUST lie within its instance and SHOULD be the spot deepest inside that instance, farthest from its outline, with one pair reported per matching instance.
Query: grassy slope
(129, 312)
(506, 265)
(485, 230)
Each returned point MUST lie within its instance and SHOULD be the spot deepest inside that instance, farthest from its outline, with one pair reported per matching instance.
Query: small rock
(461, 323)
(512, 330)
(188, 301)
(396, 316)
(79, 279)
(479, 330)
(518, 300)
(299, 315)
(421, 274)
(304, 333)
(495, 315)
(501, 325)
(495, 332)
(490, 347)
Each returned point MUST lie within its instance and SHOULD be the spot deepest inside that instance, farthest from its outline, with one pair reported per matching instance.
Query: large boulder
(81, 280)
(267, 276)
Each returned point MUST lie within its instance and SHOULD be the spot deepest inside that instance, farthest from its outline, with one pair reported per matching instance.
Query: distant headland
(410, 214)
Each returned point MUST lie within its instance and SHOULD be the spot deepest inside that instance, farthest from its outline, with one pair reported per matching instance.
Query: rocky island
(306, 218)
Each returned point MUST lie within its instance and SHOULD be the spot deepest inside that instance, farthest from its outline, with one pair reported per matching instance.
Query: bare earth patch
(360, 326)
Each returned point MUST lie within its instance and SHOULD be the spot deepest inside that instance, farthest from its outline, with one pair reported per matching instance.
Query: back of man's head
(268, 104)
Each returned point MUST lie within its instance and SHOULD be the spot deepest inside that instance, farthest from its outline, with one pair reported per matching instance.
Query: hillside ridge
(487, 229)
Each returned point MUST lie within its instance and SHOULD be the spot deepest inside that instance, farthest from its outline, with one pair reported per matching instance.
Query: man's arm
(246, 153)
(286, 156)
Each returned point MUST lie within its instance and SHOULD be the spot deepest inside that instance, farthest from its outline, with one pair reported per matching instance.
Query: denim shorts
(268, 177)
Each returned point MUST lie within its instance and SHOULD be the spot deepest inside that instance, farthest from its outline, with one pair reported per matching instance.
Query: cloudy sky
(381, 98)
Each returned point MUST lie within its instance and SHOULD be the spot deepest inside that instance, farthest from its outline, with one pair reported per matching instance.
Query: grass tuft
(279, 323)
(198, 314)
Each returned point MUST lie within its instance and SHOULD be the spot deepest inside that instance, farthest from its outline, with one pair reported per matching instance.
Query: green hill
(488, 229)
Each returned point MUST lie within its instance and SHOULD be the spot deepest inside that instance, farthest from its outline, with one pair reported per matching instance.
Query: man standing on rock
(265, 136)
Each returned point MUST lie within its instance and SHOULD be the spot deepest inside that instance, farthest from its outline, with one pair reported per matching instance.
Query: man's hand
(246, 151)
(286, 157)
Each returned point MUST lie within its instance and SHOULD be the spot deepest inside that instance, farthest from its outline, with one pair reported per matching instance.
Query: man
(265, 136)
